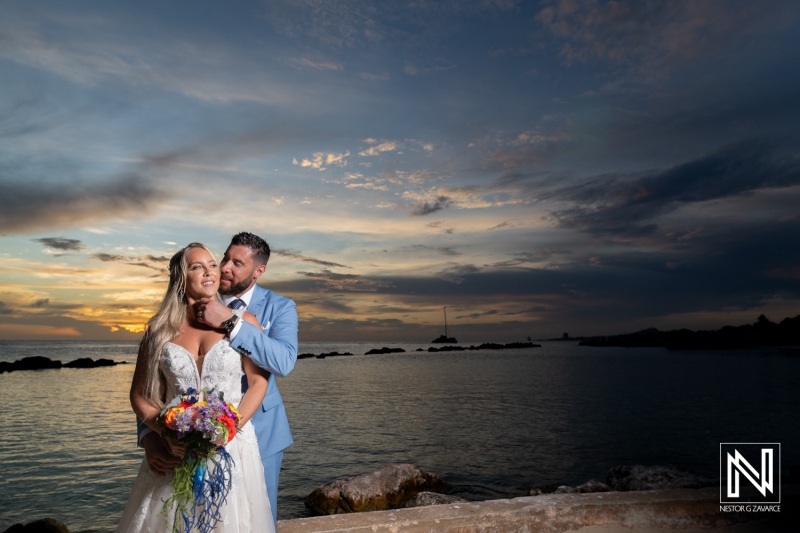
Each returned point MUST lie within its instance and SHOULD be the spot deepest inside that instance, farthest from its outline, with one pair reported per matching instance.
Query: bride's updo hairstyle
(165, 325)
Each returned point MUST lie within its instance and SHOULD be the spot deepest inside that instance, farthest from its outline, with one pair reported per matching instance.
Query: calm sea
(492, 424)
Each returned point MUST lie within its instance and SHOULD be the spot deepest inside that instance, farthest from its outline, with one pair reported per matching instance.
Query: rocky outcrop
(322, 355)
(43, 363)
(388, 488)
(384, 350)
(638, 477)
(760, 334)
(592, 486)
(45, 525)
(486, 346)
(86, 362)
(424, 499)
(625, 478)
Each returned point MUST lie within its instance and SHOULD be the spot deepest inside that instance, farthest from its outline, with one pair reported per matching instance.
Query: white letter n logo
(740, 464)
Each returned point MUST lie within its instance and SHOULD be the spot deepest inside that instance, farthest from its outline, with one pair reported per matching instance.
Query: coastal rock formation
(86, 362)
(638, 477)
(486, 346)
(42, 363)
(384, 350)
(45, 525)
(432, 498)
(322, 355)
(388, 488)
(593, 486)
(625, 478)
(762, 333)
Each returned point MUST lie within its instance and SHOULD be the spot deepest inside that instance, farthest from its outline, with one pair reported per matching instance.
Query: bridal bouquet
(204, 423)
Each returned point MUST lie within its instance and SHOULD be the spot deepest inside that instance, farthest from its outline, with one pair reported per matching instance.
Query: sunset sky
(536, 167)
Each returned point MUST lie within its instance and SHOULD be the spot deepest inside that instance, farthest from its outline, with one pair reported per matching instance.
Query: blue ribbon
(210, 488)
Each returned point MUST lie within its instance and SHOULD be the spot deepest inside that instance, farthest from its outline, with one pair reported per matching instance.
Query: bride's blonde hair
(165, 325)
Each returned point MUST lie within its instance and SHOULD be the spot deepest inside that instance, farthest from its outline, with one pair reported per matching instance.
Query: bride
(175, 354)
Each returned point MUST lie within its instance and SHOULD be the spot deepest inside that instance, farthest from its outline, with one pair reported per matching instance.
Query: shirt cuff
(144, 431)
(235, 329)
(239, 313)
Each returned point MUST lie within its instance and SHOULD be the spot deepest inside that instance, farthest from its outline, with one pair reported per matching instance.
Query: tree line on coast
(761, 334)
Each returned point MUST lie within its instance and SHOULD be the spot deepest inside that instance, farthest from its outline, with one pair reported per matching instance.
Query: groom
(273, 347)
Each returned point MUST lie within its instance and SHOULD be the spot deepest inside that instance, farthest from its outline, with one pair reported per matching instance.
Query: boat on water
(441, 339)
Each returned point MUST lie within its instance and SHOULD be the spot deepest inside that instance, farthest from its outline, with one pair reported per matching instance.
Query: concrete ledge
(682, 509)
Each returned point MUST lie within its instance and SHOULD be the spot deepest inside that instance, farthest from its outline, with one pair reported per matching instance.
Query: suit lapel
(258, 302)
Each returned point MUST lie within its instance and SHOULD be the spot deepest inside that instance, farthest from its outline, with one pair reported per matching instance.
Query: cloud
(653, 36)
(108, 257)
(60, 243)
(387, 146)
(31, 205)
(628, 205)
(444, 250)
(316, 63)
(344, 282)
(320, 160)
(306, 259)
(426, 208)
(456, 274)
(42, 302)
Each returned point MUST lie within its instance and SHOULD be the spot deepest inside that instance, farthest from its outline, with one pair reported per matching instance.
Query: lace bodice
(221, 370)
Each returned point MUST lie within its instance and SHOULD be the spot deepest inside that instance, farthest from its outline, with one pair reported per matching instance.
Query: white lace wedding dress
(247, 507)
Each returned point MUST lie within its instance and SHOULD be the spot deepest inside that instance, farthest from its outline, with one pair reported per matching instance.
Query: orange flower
(230, 424)
(169, 416)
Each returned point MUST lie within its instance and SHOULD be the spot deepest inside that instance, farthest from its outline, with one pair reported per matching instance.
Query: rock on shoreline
(388, 488)
(43, 363)
(625, 478)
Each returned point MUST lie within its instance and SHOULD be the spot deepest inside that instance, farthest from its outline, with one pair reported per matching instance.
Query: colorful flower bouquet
(204, 423)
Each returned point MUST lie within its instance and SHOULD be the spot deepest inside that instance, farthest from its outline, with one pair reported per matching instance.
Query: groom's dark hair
(257, 245)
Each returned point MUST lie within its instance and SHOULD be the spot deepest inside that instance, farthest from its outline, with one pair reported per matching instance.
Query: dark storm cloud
(457, 273)
(478, 315)
(30, 205)
(60, 243)
(426, 208)
(444, 250)
(305, 259)
(145, 262)
(522, 258)
(627, 206)
(328, 280)
(108, 257)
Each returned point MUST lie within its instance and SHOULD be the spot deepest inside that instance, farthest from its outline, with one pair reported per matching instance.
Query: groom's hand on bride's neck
(212, 313)
(158, 455)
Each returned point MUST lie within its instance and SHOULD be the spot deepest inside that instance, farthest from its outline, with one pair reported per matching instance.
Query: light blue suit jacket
(275, 350)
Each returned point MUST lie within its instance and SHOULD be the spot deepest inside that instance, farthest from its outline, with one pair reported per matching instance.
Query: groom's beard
(235, 288)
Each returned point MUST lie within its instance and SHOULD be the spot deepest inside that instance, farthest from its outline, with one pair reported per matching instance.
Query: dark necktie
(237, 304)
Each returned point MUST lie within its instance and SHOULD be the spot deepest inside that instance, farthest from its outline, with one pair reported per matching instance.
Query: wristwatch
(229, 324)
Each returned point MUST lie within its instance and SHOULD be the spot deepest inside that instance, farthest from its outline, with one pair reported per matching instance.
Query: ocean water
(492, 424)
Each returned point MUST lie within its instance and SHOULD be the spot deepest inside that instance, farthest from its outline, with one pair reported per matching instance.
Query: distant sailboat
(444, 338)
